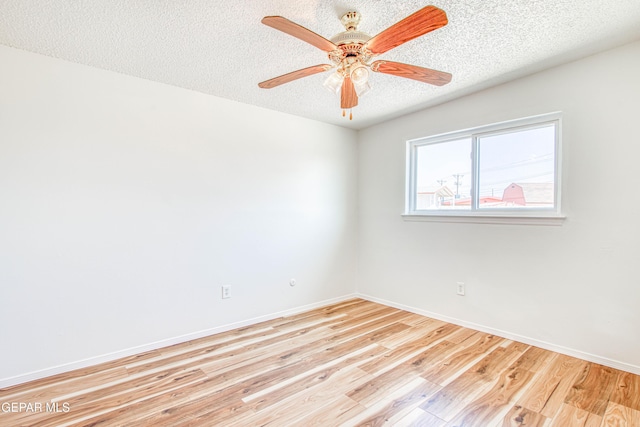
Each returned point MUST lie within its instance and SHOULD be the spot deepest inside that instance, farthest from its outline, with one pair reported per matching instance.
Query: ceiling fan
(352, 51)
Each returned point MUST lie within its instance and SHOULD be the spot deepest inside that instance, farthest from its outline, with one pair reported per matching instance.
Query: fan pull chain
(344, 114)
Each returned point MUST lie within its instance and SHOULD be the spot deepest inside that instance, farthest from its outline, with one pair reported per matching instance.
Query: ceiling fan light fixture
(333, 83)
(360, 75)
(361, 88)
(360, 79)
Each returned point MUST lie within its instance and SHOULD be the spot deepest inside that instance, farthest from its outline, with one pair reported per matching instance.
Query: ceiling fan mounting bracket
(350, 20)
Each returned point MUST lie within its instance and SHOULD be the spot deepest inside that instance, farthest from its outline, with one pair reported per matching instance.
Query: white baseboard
(67, 367)
(634, 369)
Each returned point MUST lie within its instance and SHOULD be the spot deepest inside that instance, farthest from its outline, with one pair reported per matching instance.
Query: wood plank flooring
(355, 363)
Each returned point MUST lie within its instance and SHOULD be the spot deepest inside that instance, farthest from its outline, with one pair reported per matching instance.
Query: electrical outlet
(460, 288)
(226, 291)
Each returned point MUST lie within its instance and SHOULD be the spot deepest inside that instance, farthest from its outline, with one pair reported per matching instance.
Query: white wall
(576, 287)
(126, 204)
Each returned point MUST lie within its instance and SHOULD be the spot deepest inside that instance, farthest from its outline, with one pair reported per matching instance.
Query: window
(508, 169)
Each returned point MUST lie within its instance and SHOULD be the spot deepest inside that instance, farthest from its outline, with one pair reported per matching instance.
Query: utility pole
(458, 183)
(442, 182)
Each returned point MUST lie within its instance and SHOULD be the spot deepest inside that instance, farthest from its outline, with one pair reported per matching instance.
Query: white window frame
(533, 216)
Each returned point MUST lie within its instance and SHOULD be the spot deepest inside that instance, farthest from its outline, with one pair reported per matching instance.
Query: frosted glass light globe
(360, 75)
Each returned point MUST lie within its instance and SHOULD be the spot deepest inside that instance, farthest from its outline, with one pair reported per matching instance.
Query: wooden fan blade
(425, 75)
(294, 75)
(348, 95)
(418, 24)
(298, 31)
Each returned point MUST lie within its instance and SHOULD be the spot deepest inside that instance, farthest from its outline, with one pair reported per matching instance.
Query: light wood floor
(353, 363)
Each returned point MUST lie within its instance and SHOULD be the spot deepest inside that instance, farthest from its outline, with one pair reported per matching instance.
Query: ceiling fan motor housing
(350, 20)
(350, 36)
(351, 44)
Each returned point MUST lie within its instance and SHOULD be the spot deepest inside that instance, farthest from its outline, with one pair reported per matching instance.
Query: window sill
(474, 218)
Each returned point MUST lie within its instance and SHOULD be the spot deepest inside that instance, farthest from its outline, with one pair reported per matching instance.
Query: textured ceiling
(221, 48)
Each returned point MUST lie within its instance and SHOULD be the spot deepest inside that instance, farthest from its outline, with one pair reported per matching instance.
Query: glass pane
(517, 169)
(443, 175)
